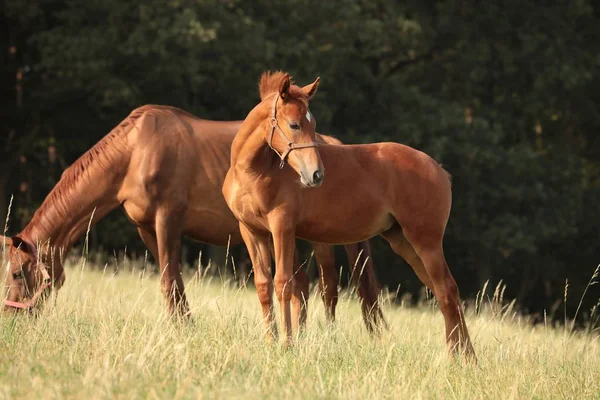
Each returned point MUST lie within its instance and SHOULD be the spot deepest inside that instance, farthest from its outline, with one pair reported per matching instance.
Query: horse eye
(17, 275)
(294, 126)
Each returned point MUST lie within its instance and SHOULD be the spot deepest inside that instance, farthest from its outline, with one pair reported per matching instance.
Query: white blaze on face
(308, 116)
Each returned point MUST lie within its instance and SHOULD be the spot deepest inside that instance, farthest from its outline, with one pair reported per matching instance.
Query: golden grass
(107, 336)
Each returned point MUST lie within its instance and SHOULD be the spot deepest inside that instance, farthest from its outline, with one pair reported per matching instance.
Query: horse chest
(244, 203)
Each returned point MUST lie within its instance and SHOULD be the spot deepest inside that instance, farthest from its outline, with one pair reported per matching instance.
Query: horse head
(291, 126)
(27, 277)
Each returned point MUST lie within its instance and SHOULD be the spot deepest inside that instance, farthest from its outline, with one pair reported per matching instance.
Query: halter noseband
(30, 304)
(290, 145)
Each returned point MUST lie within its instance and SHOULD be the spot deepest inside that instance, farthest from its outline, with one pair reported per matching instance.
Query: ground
(107, 336)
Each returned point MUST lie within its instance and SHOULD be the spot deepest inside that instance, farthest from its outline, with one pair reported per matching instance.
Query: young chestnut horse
(382, 189)
(166, 168)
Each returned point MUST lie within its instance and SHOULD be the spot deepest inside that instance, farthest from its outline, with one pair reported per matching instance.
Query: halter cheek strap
(290, 145)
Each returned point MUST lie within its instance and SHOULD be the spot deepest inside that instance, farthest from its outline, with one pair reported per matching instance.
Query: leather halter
(30, 304)
(290, 145)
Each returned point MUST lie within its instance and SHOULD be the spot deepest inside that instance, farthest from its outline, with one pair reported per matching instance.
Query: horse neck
(248, 147)
(80, 199)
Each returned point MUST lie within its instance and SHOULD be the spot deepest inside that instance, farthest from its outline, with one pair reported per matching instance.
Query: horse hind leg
(328, 278)
(363, 277)
(299, 296)
(404, 249)
(168, 239)
(429, 263)
(260, 250)
(446, 292)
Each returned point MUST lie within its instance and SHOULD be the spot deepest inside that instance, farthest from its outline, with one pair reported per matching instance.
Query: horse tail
(363, 276)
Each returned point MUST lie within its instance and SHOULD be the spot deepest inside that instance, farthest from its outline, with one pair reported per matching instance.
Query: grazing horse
(166, 168)
(382, 189)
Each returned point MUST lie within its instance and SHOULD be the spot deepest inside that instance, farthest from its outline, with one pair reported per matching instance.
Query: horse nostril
(317, 177)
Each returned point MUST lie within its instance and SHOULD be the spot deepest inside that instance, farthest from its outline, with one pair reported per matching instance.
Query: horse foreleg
(168, 239)
(259, 251)
(299, 303)
(328, 278)
(284, 242)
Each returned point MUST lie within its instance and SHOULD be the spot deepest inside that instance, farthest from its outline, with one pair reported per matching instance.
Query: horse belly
(343, 229)
(212, 227)
(342, 211)
(208, 219)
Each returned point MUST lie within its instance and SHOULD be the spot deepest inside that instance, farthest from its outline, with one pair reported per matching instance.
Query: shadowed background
(505, 95)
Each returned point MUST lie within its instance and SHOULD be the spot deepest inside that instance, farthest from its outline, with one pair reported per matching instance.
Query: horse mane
(99, 157)
(270, 82)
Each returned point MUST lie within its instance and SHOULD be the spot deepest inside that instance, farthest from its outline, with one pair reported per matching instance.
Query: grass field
(107, 336)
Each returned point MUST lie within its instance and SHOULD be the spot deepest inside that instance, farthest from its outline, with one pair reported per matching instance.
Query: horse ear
(284, 87)
(310, 90)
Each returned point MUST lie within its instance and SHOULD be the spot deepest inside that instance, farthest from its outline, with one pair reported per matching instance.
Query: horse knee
(284, 287)
(264, 292)
(448, 296)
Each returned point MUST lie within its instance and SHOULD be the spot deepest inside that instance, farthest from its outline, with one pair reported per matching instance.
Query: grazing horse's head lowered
(27, 278)
(290, 130)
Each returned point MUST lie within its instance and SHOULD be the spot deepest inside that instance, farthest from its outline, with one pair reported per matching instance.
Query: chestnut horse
(382, 189)
(166, 168)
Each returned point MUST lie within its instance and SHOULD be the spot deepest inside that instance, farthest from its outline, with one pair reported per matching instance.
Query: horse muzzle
(315, 180)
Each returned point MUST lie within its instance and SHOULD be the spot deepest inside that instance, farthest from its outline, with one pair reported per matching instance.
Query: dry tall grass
(107, 336)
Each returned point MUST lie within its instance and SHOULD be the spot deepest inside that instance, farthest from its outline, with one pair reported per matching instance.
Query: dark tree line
(504, 94)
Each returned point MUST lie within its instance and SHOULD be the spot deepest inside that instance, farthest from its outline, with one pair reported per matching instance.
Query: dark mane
(96, 160)
(270, 82)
